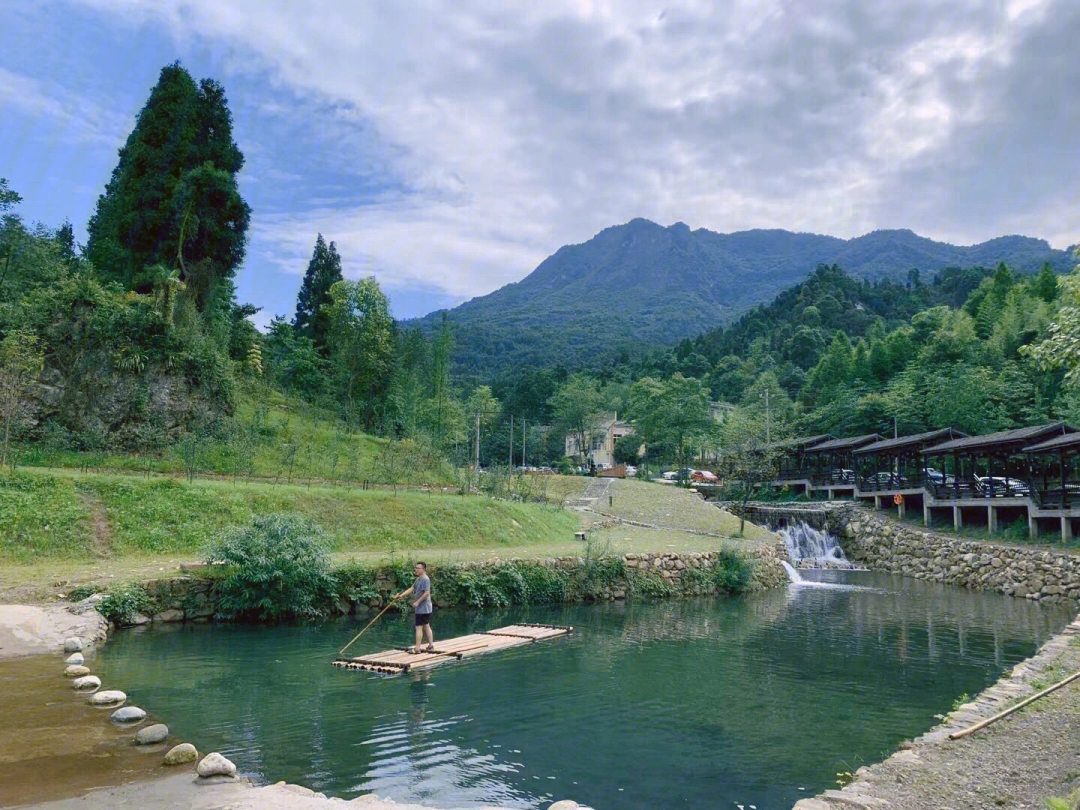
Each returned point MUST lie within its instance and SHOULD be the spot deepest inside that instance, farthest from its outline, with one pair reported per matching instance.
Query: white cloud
(516, 128)
(79, 120)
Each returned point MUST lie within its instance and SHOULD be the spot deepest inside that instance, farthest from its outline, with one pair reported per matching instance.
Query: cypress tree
(313, 302)
(172, 202)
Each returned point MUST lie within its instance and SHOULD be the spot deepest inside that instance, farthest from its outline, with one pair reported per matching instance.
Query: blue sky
(449, 151)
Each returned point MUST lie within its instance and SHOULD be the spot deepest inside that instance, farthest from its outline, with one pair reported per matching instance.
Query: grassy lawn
(61, 528)
(77, 517)
(675, 508)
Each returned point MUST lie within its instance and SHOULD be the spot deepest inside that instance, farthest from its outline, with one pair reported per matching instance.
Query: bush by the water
(124, 603)
(277, 568)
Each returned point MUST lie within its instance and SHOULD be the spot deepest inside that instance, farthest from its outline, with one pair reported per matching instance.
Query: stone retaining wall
(883, 544)
(878, 541)
(191, 597)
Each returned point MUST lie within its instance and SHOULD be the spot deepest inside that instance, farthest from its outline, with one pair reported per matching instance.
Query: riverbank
(1018, 762)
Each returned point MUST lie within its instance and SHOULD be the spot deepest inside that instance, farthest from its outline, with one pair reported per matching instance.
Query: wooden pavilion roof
(1004, 439)
(1068, 441)
(845, 444)
(914, 440)
(804, 441)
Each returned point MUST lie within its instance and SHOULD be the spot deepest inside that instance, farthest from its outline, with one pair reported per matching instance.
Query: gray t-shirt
(422, 586)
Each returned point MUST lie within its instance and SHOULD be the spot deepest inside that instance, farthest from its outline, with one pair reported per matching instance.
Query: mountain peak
(641, 283)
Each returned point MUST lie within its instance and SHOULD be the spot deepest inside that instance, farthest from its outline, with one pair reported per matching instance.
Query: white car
(631, 470)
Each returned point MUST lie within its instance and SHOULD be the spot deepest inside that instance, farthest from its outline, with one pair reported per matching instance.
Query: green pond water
(756, 701)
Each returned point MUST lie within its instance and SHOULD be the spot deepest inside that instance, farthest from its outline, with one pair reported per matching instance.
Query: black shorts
(422, 619)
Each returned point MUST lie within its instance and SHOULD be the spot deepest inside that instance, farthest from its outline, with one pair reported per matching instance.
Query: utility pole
(523, 423)
(511, 461)
(767, 418)
(478, 442)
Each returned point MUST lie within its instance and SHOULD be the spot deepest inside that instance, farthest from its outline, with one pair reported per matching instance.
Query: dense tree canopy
(172, 202)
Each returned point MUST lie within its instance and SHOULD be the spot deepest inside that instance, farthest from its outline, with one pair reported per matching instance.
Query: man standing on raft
(421, 589)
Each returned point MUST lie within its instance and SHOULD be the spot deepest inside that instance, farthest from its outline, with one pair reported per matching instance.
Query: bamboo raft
(398, 662)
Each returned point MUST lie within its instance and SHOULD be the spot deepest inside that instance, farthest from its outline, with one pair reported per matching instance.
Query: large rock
(86, 605)
(75, 659)
(170, 616)
(181, 754)
(128, 714)
(77, 671)
(110, 697)
(156, 733)
(73, 644)
(86, 682)
(215, 765)
(565, 804)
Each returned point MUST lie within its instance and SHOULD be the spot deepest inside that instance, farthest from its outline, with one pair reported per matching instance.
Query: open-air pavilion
(831, 464)
(985, 475)
(793, 469)
(1055, 482)
(897, 466)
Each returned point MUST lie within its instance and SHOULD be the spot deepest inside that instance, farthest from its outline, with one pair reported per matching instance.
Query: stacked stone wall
(1034, 572)
(190, 598)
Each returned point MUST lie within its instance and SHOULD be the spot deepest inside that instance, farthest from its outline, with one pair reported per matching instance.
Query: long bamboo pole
(984, 723)
(381, 612)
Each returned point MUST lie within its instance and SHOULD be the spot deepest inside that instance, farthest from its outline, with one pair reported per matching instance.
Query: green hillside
(641, 284)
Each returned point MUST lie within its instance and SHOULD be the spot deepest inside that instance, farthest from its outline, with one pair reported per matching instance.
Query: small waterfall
(793, 575)
(810, 548)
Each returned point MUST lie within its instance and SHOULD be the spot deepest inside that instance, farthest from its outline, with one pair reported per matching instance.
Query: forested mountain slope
(641, 283)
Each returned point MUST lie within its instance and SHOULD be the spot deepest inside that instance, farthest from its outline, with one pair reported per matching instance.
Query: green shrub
(80, 592)
(652, 584)
(277, 568)
(597, 574)
(123, 603)
(731, 572)
(357, 582)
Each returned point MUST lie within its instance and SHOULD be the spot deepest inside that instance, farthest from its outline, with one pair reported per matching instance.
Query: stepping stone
(109, 697)
(86, 682)
(152, 734)
(215, 765)
(181, 754)
(76, 659)
(73, 644)
(77, 671)
(128, 714)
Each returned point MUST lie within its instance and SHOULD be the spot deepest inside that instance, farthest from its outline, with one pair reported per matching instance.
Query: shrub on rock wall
(277, 568)
(124, 603)
(731, 572)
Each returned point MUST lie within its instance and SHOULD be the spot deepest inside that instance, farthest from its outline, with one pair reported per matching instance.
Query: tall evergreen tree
(172, 202)
(313, 303)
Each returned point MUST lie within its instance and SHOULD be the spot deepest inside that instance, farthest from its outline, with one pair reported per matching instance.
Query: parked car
(631, 470)
(999, 486)
(935, 476)
(670, 475)
(839, 476)
(704, 477)
(884, 480)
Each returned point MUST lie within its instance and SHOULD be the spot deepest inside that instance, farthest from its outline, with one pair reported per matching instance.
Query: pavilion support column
(991, 519)
(1066, 529)
(902, 509)
(1033, 526)
(877, 501)
(957, 518)
(925, 512)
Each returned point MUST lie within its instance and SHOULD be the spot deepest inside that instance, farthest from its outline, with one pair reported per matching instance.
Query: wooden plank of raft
(396, 662)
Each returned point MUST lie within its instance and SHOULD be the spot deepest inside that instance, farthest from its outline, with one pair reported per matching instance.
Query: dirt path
(1018, 762)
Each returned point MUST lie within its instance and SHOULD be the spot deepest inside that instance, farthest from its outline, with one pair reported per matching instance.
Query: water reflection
(664, 704)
